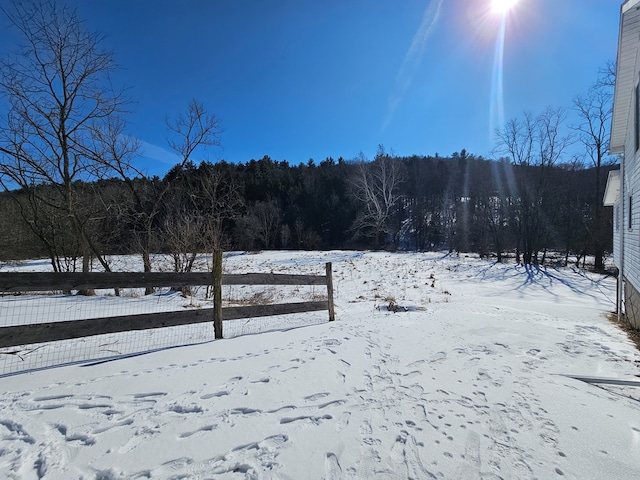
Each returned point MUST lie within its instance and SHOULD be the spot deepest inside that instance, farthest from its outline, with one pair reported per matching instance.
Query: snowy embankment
(467, 384)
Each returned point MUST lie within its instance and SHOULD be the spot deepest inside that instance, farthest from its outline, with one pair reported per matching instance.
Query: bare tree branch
(59, 95)
(193, 129)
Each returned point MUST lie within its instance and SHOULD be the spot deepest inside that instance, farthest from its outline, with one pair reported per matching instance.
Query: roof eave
(625, 73)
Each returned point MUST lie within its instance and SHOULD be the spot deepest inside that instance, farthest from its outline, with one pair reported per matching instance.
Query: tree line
(461, 203)
(72, 192)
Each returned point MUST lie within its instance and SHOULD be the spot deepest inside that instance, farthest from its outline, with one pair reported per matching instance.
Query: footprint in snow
(205, 429)
(144, 396)
(16, 432)
(262, 380)
(221, 393)
(332, 469)
(470, 469)
(51, 397)
(316, 396)
(344, 421)
(314, 420)
(122, 423)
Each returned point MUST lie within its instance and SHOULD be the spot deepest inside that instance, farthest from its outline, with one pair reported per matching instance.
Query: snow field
(467, 384)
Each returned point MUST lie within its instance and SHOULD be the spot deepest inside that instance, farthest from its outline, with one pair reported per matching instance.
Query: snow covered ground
(467, 384)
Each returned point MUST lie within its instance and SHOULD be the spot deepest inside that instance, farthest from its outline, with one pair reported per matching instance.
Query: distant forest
(460, 203)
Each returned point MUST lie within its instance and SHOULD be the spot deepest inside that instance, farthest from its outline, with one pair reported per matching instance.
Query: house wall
(632, 303)
(631, 190)
(631, 256)
(629, 259)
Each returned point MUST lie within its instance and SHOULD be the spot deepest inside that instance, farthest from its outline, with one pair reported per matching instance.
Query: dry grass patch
(632, 333)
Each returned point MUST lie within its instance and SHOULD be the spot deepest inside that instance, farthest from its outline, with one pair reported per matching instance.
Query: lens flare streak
(496, 120)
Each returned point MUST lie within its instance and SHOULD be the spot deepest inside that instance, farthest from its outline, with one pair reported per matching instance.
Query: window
(630, 212)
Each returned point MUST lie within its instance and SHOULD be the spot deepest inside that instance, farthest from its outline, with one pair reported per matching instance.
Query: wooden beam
(54, 331)
(217, 293)
(272, 279)
(15, 282)
(254, 311)
(332, 313)
(53, 281)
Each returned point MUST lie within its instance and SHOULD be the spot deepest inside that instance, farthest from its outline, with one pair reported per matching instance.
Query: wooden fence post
(217, 293)
(332, 314)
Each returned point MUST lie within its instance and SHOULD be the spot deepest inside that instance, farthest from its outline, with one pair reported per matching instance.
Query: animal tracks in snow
(249, 460)
(424, 395)
(395, 443)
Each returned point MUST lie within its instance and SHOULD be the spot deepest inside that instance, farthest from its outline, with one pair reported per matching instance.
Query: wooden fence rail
(53, 331)
(11, 282)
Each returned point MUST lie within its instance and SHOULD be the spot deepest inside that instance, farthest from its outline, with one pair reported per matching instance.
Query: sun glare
(502, 6)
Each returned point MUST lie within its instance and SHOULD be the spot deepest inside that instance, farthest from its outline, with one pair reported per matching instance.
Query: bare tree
(209, 198)
(285, 236)
(552, 142)
(49, 227)
(183, 233)
(59, 94)
(516, 139)
(298, 228)
(189, 131)
(223, 201)
(533, 142)
(495, 207)
(595, 109)
(607, 75)
(376, 186)
(266, 217)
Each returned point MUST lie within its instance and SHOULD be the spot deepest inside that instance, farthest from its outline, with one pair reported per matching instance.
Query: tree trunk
(599, 260)
(86, 267)
(217, 293)
(146, 259)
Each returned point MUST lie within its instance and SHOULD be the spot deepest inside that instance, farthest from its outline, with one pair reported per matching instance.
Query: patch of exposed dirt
(632, 333)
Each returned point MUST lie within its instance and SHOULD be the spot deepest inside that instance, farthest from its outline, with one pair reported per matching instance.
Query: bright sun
(502, 6)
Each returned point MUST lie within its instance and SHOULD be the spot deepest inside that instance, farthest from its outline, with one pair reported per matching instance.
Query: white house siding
(623, 141)
(631, 240)
(630, 256)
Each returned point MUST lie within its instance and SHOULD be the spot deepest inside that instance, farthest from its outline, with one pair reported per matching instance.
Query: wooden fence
(52, 331)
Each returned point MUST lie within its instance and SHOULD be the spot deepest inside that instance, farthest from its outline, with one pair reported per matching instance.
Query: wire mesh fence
(35, 308)
(252, 326)
(30, 309)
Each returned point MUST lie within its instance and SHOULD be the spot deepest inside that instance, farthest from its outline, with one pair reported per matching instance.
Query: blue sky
(300, 79)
